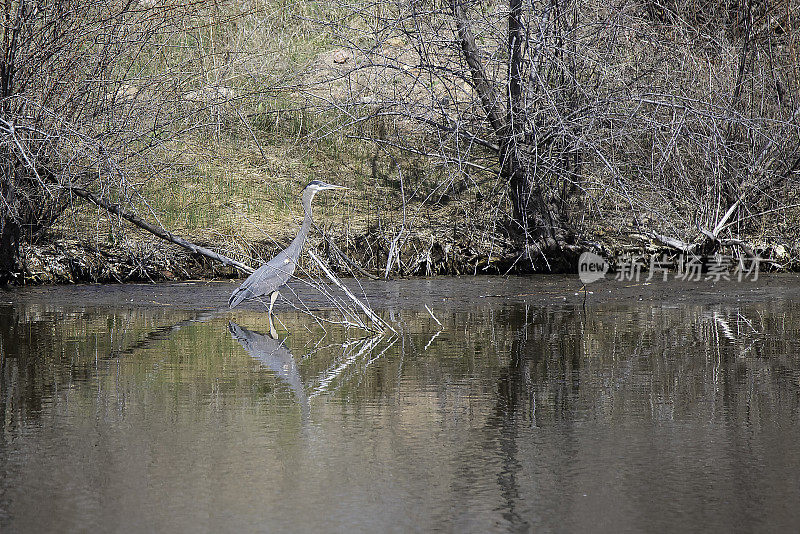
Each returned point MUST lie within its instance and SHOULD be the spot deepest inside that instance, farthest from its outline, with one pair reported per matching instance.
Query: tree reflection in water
(617, 367)
(518, 416)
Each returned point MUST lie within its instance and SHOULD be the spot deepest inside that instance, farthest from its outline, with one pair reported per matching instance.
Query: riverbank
(423, 253)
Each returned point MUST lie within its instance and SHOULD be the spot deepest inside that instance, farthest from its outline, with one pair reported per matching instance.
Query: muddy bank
(439, 293)
(66, 261)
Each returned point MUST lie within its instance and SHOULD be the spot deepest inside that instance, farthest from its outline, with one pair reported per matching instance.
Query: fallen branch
(160, 232)
(673, 243)
(371, 314)
(711, 238)
(432, 315)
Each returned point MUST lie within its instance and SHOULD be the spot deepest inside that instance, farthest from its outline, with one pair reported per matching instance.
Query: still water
(507, 416)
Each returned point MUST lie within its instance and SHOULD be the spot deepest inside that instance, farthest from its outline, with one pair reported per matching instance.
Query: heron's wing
(266, 279)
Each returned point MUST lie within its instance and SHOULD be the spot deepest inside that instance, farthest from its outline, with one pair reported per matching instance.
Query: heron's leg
(272, 298)
(272, 332)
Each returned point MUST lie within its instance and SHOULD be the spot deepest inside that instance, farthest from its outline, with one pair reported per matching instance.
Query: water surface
(510, 415)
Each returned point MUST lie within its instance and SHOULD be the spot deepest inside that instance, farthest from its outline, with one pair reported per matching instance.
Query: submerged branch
(332, 277)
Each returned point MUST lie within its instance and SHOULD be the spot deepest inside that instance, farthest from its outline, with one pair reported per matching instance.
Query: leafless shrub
(95, 96)
(643, 116)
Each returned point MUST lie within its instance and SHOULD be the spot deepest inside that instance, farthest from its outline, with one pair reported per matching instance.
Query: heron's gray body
(270, 277)
(275, 273)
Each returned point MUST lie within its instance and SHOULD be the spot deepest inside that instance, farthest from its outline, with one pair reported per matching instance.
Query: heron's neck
(297, 243)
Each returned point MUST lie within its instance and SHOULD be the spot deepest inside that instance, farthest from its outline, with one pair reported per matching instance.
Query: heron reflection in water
(273, 354)
(273, 275)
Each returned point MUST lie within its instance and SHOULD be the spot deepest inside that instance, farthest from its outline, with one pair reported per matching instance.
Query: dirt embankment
(65, 261)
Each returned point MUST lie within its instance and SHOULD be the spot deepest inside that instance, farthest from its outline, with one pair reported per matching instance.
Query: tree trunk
(534, 219)
(9, 248)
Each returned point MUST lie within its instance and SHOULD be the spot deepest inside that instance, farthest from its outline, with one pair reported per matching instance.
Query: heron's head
(317, 185)
(313, 188)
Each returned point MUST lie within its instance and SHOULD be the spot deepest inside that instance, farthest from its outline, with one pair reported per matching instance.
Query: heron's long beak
(331, 186)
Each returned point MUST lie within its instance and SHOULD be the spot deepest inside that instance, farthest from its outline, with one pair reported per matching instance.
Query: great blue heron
(270, 277)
